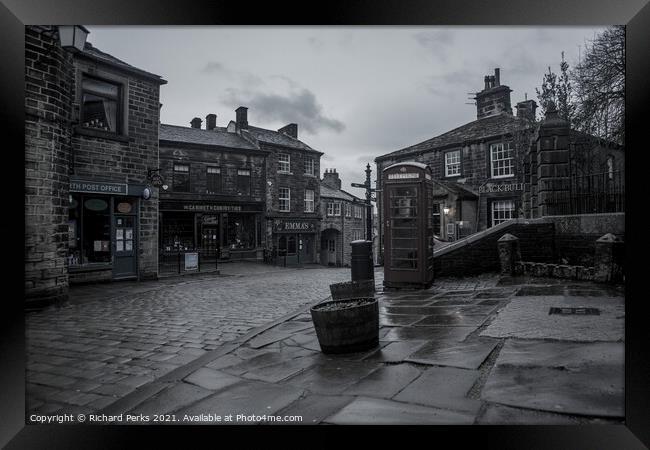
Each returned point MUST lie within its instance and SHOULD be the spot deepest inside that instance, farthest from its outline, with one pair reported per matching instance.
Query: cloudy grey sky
(355, 92)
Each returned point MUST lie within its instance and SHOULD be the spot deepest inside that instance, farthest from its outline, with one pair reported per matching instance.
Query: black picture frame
(14, 14)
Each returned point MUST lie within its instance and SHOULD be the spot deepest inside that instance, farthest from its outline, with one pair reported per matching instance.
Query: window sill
(453, 176)
(82, 131)
(281, 172)
(91, 267)
(500, 177)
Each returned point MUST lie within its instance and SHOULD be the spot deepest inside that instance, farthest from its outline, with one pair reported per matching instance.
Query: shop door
(125, 242)
(210, 239)
(305, 245)
(331, 252)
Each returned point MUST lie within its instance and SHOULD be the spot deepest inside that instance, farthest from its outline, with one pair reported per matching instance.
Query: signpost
(369, 199)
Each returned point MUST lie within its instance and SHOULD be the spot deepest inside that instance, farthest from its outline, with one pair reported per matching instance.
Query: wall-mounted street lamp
(73, 37)
(445, 210)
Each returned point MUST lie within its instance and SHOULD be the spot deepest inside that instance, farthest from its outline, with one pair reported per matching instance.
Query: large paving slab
(528, 317)
(452, 320)
(506, 415)
(314, 408)
(465, 355)
(443, 387)
(395, 351)
(448, 334)
(248, 398)
(372, 411)
(281, 371)
(561, 377)
(385, 382)
(171, 399)
(211, 379)
(332, 376)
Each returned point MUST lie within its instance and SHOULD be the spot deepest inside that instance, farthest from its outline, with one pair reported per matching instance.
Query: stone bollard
(607, 260)
(509, 253)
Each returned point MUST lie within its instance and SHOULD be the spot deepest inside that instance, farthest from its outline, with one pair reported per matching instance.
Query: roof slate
(328, 192)
(94, 52)
(478, 129)
(218, 137)
(277, 138)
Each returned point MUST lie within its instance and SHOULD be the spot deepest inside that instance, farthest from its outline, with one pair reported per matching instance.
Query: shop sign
(191, 261)
(298, 226)
(217, 208)
(401, 176)
(510, 187)
(98, 188)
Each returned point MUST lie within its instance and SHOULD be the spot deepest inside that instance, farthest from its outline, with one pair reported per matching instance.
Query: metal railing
(591, 194)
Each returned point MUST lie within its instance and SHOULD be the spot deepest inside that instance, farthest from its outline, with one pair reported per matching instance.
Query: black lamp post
(369, 191)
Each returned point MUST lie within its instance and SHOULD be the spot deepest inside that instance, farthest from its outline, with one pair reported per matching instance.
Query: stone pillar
(49, 81)
(509, 253)
(608, 262)
(553, 182)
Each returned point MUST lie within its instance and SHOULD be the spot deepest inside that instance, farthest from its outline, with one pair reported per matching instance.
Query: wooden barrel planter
(347, 326)
(352, 289)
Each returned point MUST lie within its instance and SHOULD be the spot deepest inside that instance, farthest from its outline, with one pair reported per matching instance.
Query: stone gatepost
(509, 253)
(553, 182)
(607, 261)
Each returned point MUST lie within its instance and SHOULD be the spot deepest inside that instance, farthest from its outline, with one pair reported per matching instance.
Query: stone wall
(125, 157)
(346, 227)
(478, 253)
(48, 108)
(575, 236)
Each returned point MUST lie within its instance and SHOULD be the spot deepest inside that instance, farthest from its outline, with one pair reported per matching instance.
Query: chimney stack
(291, 130)
(527, 110)
(494, 98)
(196, 123)
(241, 118)
(331, 179)
(210, 121)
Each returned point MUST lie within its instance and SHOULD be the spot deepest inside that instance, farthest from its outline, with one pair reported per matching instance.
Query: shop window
(178, 231)
(310, 166)
(100, 105)
(213, 180)
(284, 162)
(181, 178)
(452, 163)
(502, 210)
(502, 160)
(291, 245)
(284, 199)
(309, 200)
(243, 181)
(282, 245)
(89, 225)
(240, 232)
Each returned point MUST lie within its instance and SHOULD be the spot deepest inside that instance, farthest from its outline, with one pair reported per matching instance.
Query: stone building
(292, 192)
(344, 221)
(486, 171)
(214, 202)
(91, 139)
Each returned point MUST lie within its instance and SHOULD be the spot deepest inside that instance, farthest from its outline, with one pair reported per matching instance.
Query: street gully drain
(575, 311)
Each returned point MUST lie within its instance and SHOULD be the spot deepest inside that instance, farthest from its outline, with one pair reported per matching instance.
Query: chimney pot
(497, 76)
(196, 123)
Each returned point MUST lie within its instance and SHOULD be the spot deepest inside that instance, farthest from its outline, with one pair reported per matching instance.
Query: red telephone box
(408, 225)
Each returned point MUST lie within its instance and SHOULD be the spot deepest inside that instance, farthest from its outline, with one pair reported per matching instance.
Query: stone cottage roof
(94, 53)
(328, 192)
(279, 138)
(486, 127)
(218, 137)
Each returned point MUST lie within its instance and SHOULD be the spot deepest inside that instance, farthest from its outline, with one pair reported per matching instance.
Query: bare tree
(599, 81)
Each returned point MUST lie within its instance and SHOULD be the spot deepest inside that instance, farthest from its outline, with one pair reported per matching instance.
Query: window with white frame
(333, 209)
(284, 162)
(284, 199)
(502, 161)
(309, 200)
(452, 163)
(348, 210)
(358, 212)
(309, 166)
(357, 235)
(502, 210)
